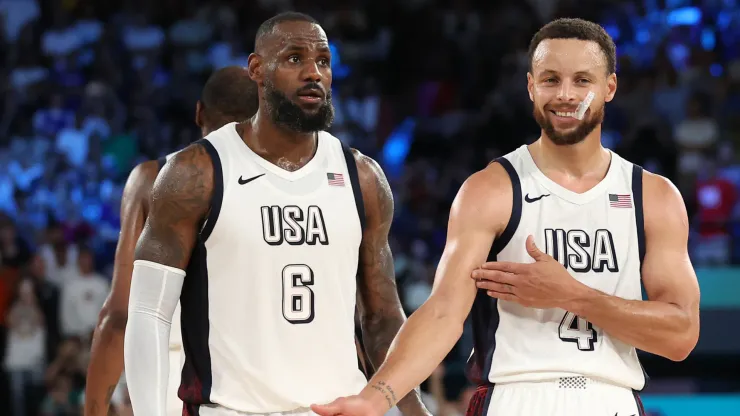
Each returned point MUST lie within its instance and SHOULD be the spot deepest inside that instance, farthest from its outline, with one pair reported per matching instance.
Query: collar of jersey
(562, 192)
(278, 171)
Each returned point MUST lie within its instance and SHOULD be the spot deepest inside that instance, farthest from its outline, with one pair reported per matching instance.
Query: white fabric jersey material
(598, 236)
(268, 305)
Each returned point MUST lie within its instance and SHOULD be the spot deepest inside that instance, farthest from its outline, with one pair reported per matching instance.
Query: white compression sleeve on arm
(155, 291)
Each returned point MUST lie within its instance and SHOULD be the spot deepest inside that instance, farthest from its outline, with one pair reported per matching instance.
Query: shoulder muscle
(667, 272)
(139, 185)
(664, 210)
(179, 202)
(376, 191)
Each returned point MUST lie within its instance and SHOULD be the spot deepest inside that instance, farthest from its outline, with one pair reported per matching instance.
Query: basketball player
(261, 230)
(228, 95)
(555, 330)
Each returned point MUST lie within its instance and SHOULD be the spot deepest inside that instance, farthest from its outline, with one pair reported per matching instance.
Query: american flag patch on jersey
(620, 200)
(335, 179)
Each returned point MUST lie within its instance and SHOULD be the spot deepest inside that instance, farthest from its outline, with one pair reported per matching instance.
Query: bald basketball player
(547, 249)
(228, 95)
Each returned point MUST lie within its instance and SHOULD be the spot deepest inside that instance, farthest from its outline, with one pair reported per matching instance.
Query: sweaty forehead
(297, 34)
(568, 56)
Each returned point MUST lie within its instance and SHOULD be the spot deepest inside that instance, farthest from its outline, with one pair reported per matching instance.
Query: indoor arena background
(431, 89)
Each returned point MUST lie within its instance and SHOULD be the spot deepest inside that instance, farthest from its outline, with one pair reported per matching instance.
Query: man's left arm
(667, 324)
(381, 314)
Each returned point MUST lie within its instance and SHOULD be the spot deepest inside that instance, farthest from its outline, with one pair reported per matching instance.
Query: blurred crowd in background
(432, 89)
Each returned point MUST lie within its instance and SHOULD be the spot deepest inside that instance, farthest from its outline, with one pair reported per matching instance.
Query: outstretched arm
(106, 357)
(180, 200)
(480, 211)
(381, 315)
(672, 311)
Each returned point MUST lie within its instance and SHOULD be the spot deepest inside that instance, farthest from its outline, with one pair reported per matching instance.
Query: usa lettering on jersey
(580, 252)
(291, 225)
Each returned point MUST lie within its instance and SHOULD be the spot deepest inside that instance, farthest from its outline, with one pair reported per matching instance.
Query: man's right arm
(479, 213)
(180, 200)
(106, 355)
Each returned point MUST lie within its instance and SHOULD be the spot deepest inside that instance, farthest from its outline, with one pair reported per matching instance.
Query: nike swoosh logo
(246, 181)
(528, 199)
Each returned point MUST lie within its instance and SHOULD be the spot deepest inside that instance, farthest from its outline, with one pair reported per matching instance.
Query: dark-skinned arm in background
(381, 314)
(180, 200)
(106, 356)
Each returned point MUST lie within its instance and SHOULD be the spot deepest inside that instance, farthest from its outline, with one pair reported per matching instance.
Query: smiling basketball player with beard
(555, 330)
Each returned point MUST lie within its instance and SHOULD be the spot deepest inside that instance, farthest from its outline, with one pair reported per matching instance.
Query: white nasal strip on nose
(583, 106)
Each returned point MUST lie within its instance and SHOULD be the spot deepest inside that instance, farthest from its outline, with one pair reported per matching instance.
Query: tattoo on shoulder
(387, 392)
(179, 201)
(376, 189)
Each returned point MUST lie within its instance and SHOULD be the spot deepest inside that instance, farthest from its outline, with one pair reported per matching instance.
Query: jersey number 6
(298, 304)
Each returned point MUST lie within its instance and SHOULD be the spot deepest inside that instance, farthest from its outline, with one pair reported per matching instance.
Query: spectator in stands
(14, 251)
(83, 294)
(59, 255)
(716, 200)
(25, 357)
(58, 402)
(47, 295)
(66, 374)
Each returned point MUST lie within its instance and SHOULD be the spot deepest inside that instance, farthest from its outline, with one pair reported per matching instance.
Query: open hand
(346, 406)
(543, 284)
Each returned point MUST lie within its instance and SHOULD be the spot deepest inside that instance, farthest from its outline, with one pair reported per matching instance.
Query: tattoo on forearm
(386, 391)
(382, 314)
(180, 199)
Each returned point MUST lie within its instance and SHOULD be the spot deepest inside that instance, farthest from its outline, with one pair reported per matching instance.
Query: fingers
(330, 409)
(494, 286)
(494, 276)
(503, 296)
(533, 250)
(505, 266)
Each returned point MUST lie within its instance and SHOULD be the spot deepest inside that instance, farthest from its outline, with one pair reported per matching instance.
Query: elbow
(444, 317)
(112, 321)
(684, 344)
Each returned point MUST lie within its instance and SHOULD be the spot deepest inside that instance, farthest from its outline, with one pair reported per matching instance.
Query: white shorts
(222, 411)
(174, 404)
(568, 396)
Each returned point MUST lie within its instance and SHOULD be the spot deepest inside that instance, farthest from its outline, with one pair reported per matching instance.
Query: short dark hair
(577, 29)
(230, 94)
(268, 25)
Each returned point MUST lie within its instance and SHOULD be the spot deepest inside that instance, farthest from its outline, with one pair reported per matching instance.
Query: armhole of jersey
(640, 225)
(161, 162)
(218, 189)
(639, 217)
(516, 209)
(354, 179)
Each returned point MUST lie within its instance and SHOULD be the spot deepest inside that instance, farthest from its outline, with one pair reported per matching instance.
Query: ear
(611, 87)
(530, 86)
(255, 68)
(199, 114)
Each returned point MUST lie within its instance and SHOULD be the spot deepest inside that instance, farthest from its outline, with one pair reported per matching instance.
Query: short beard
(290, 115)
(576, 136)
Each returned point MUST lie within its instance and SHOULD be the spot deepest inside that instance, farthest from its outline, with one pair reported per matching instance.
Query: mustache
(312, 86)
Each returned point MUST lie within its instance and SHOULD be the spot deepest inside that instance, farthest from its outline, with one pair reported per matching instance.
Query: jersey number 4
(573, 328)
(298, 303)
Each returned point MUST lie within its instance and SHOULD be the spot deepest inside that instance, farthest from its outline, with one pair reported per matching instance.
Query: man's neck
(277, 144)
(581, 160)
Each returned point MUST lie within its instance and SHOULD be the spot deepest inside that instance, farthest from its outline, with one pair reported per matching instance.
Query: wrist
(380, 400)
(579, 303)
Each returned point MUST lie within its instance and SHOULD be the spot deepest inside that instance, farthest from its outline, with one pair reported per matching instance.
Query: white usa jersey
(175, 331)
(268, 302)
(598, 237)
